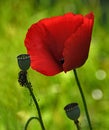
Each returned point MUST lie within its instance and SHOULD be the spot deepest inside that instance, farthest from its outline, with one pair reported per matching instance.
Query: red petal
(77, 45)
(44, 63)
(60, 28)
(42, 59)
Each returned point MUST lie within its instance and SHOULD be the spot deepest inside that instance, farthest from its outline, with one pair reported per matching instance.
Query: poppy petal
(76, 47)
(41, 57)
(60, 28)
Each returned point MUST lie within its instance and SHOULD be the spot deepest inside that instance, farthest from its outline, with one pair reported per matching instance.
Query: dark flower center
(61, 61)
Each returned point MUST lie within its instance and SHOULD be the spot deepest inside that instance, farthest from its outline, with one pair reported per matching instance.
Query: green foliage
(52, 93)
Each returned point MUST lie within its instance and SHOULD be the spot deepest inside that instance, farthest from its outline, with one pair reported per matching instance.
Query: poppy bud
(23, 61)
(72, 111)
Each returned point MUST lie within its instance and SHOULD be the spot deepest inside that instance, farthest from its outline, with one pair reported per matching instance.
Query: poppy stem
(83, 98)
(29, 86)
(77, 124)
(24, 64)
(31, 118)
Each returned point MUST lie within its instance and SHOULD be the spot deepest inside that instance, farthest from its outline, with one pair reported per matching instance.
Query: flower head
(23, 61)
(72, 111)
(59, 43)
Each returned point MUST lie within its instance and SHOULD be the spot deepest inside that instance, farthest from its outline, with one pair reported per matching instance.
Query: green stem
(28, 85)
(31, 118)
(83, 99)
(77, 124)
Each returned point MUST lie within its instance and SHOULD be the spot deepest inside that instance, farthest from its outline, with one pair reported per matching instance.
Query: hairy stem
(28, 85)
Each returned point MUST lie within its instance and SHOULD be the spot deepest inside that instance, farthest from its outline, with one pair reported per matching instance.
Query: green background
(52, 93)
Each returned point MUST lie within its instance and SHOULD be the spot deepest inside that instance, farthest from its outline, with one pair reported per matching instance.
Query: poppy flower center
(62, 61)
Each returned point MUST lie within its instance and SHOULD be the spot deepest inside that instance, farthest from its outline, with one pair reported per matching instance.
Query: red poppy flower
(59, 43)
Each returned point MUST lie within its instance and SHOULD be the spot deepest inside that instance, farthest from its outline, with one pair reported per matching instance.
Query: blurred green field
(52, 93)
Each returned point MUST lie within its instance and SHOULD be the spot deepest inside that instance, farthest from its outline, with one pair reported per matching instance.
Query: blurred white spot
(97, 94)
(100, 74)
